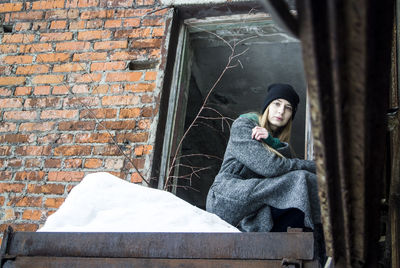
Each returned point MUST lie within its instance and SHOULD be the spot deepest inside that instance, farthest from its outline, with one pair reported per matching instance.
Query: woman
(259, 187)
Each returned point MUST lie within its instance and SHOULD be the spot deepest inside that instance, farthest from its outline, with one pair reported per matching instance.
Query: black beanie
(282, 91)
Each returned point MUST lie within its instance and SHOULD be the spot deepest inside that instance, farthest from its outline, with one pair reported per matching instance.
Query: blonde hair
(283, 134)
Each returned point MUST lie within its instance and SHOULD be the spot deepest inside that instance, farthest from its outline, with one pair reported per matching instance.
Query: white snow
(102, 202)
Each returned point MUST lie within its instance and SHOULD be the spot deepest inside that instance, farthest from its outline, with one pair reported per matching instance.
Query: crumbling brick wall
(62, 63)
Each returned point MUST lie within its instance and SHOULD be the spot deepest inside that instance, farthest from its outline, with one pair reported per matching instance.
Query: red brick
(42, 102)
(73, 163)
(10, 7)
(136, 178)
(110, 150)
(23, 227)
(110, 45)
(94, 24)
(5, 175)
(65, 175)
(88, 15)
(34, 48)
(105, 66)
(48, 4)
(25, 201)
(53, 57)
(20, 115)
(93, 163)
(32, 69)
(77, 25)
(140, 87)
(125, 13)
(144, 124)
(98, 113)
(46, 189)
(85, 78)
(52, 163)
(150, 76)
(72, 46)
(42, 126)
(33, 215)
(54, 202)
(100, 89)
(133, 33)
(81, 102)
(62, 14)
(21, 91)
(117, 125)
(5, 150)
(11, 187)
(75, 150)
(132, 137)
(132, 22)
(91, 35)
(93, 138)
(57, 114)
(10, 103)
(125, 55)
(7, 126)
(21, 59)
(90, 56)
(58, 24)
(112, 23)
(56, 138)
(146, 43)
(41, 90)
(8, 48)
(80, 89)
(33, 150)
(22, 26)
(147, 112)
(14, 162)
(116, 3)
(123, 76)
(120, 100)
(63, 89)
(116, 89)
(144, 2)
(146, 99)
(69, 67)
(82, 3)
(17, 38)
(48, 79)
(15, 138)
(129, 113)
(55, 36)
(153, 22)
(2, 199)
(29, 15)
(33, 163)
(158, 32)
(76, 125)
(6, 91)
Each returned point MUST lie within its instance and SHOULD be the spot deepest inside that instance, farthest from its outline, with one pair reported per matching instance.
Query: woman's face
(280, 111)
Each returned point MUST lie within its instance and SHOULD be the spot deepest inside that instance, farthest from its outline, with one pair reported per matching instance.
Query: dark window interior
(272, 56)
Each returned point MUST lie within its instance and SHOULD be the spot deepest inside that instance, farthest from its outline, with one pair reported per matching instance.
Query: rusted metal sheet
(164, 245)
(346, 51)
(53, 262)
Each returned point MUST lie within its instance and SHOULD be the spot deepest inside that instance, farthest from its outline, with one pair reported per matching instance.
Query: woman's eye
(289, 108)
(277, 104)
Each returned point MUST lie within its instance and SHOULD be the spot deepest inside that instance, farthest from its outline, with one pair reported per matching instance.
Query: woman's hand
(259, 133)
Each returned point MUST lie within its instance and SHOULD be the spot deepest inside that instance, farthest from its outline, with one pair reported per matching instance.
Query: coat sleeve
(256, 157)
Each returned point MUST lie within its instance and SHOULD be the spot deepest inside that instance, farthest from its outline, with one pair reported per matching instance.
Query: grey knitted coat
(252, 178)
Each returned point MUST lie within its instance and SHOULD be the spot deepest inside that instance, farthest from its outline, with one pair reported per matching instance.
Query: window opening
(270, 56)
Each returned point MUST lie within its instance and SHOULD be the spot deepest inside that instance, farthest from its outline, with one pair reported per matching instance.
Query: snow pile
(105, 203)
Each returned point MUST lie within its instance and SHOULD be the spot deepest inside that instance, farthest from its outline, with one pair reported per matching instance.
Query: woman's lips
(279, 118)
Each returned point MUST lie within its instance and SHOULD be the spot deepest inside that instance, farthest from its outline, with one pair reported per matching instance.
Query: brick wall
(65, 86)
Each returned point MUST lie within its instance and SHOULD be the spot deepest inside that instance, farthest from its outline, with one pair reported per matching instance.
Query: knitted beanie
(282, 91)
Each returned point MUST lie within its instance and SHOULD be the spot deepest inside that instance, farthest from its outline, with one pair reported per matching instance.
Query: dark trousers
(284, 218)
